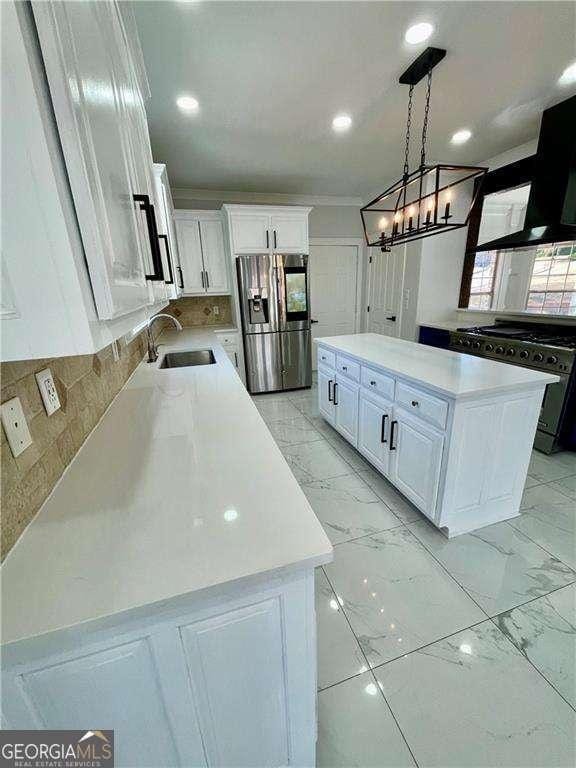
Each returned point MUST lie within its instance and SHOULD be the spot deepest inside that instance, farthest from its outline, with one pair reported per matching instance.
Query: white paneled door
(386, 272)
(333, 289)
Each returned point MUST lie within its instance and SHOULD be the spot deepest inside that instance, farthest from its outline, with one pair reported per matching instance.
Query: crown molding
(227, 196)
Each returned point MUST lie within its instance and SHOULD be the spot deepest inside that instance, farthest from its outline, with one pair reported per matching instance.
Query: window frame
(507, 177)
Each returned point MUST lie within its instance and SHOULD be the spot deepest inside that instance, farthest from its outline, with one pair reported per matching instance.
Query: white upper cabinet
(251, 233)
(167, 232)
(92, 90)
(263, 229)
(202, 253)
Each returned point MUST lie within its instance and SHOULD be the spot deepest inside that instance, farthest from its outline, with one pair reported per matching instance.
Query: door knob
(392, 318)
(313, 321)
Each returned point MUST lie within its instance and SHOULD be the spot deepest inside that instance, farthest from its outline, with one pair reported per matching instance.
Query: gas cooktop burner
(545, 336)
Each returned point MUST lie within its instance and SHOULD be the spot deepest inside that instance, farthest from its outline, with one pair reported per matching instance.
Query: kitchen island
(452, 432)
(166, 588)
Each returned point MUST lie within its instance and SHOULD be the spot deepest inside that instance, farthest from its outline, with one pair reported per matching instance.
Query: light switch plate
(15, 426)
(48, 391)
(216, 309)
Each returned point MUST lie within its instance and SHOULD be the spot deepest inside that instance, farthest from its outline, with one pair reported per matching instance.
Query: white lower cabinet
(230, 682)
(325, 397)
(345, 396)
(415, 460)
(375, 418)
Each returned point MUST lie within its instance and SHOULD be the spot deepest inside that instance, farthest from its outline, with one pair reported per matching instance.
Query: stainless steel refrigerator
(275, 306)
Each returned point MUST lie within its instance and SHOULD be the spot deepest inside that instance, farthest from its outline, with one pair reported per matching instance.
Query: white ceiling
(270, 76)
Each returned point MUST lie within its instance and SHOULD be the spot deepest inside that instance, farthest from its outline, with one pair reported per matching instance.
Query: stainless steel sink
(186, 359)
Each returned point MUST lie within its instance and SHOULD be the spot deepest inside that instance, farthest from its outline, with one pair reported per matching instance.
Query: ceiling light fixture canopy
(431, 199)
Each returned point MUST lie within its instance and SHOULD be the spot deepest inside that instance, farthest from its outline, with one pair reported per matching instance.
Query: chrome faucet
(152, 347)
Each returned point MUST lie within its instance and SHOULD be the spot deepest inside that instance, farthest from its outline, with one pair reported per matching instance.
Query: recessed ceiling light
(418, 33)
(341, 122)
(568, 76)
(187, 103)
(461, 137)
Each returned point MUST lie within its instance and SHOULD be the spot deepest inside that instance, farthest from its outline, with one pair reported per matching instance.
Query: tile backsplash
(86, 385)
(199, 310)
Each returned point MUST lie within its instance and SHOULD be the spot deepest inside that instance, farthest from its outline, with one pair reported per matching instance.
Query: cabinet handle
(267, 239)
(372, 383)
(344, 367)
(181, 277)
(202, 278)
(168, 259)
(335, 393)
(275, 240)
(146, 206)
(329, 392)
(236, 359)
(207, 278)
(383, 428)
(415, 403)
(392, 435)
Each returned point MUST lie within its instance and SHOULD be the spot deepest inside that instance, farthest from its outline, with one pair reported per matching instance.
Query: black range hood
(551, 209)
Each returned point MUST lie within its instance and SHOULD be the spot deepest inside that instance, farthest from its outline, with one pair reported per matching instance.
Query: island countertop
(180, 489)
(450, 373)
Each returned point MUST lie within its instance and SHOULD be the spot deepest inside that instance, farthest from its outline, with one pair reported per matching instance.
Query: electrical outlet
(216, 309)
(116, 350)
(48, 391)
(15, 426)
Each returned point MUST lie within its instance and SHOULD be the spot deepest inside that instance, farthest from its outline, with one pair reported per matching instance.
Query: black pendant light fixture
(429, 200)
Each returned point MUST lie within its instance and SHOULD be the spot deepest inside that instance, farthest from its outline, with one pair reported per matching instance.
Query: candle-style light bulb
(383, 223)
(397, 220)
(448, 199)
(410, 217)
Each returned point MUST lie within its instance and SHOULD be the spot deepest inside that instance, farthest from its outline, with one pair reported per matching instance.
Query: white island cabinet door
(215, 262)
(325, 395)
(374, 431)
(415, 460)
(237, 669)
(346, 402)
(190, 250)
(87, 81)
(251, 233)
(120, 688)
(289, 233)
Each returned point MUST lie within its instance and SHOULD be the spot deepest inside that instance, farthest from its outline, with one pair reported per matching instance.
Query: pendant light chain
(425, 123)
(408, 125)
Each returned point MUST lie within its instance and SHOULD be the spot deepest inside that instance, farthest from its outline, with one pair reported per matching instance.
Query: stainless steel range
(549, 348)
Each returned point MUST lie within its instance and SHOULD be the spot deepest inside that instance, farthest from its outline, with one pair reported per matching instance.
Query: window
(552, 288)
(483, 280)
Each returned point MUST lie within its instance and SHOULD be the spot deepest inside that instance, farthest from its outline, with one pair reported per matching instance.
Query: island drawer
(348, 367)
(429, 407)
(378, 382)
(326, 358)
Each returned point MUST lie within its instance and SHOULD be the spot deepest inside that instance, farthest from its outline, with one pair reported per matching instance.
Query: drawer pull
(372, 383)
(344, 367)
(383, 428)
(323, 357)
(415, 403)
(392, 434)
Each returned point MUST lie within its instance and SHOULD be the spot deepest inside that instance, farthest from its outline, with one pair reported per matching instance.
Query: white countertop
(180, 489)
(444, 325)
(450, 373)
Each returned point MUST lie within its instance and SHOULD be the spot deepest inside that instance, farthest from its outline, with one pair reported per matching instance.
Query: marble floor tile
(355, 728)
(400, 505)
(567, 485)
(549, 518)
(339, 655)
(292, 431)
(348, 452)
(273, 408)
(531, 482)
(348, 508)
(307, 405)
(547, 468)
(396, 596)
(545, 631)
(314, 461)
(498, 566)
(473, 700)
(325, 429)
